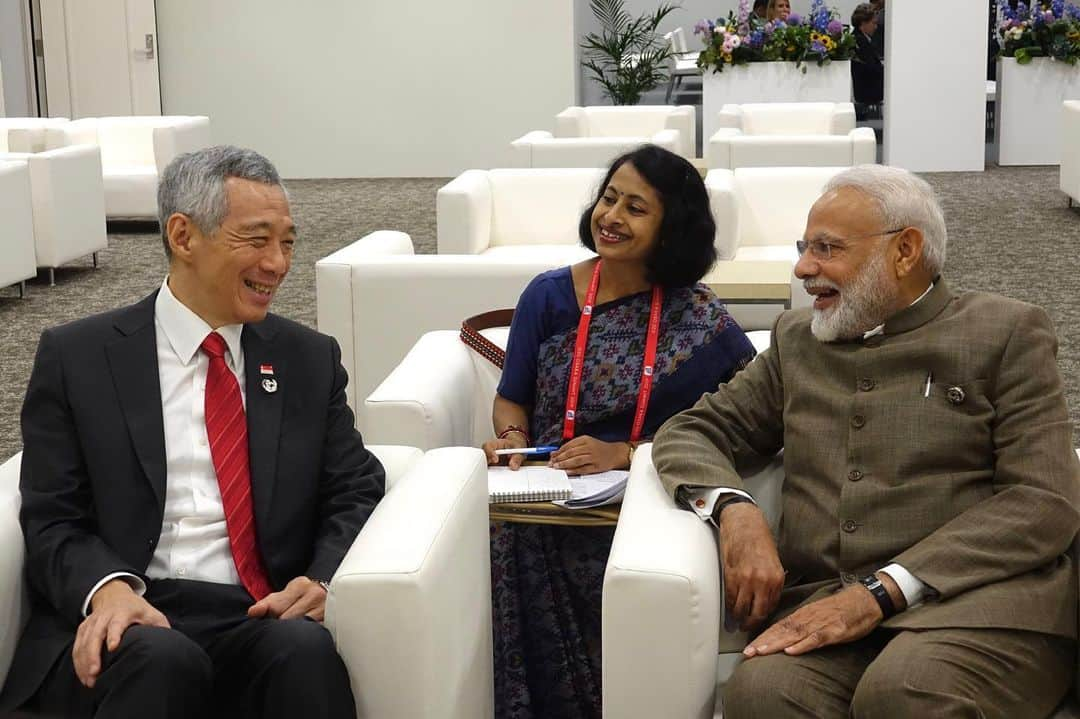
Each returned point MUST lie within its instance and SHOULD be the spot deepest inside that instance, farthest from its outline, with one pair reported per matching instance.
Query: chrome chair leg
(52, 277)
(95, 259)
(22, 289)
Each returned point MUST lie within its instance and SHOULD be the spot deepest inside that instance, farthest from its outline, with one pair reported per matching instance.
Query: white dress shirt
(194, 541)
(703, 502)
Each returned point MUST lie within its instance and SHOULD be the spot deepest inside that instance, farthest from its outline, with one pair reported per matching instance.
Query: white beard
(861, 306)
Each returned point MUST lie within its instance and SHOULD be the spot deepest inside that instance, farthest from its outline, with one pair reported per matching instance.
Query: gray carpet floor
(1009, 232)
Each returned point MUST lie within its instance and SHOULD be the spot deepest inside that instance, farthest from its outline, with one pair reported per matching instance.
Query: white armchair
(663, 602)
(594, 136)
(410, 605)
(377, 298)
(68, 202)
(17, 239)
(789, 134)
(761, 212)
(134, 151)
(1070, 150)
(516, 214)
(26, 134)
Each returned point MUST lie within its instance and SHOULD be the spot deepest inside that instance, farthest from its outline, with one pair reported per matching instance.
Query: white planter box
(771, 82)
(1028, 113)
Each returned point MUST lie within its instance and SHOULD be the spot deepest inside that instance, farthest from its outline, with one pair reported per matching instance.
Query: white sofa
(376, 298)
(410, 606)
(68, 201)
(789, 134)
(761, 212)
(26, 134)
(524, 214)
(134, 151)
(17, 239)
(441, 393)
(594, 136)
(1070, 150)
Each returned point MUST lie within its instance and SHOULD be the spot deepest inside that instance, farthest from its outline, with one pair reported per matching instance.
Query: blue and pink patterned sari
(547, 580)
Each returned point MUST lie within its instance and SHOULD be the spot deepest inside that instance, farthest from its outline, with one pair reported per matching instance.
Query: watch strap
(880, 593)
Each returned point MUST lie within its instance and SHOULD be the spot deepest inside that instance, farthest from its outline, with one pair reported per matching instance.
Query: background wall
(686, 16)
(14, 83)
(369, 89)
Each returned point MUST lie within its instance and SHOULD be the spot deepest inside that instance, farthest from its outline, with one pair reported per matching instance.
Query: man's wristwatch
(733, 499)
(881, 594)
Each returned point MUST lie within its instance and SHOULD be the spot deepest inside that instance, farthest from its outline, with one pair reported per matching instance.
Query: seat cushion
(131, 192)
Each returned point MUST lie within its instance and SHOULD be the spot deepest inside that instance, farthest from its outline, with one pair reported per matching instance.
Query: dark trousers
(213, 662)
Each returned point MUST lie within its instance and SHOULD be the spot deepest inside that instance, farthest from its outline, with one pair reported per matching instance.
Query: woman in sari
(653, 232)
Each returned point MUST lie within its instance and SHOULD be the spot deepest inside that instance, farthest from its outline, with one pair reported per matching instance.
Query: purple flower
(817, 47)
(757, 39)
(794, 19)
(1057, 7)
(835, 27)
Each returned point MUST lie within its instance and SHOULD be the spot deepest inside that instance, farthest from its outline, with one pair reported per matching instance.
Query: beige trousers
(940, 673)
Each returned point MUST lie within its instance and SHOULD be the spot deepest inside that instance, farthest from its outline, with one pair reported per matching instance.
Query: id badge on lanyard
(577, 367)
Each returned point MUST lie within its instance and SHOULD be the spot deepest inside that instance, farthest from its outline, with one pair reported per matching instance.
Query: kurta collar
(919, 313)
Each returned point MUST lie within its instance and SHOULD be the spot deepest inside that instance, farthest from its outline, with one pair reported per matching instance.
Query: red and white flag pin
(266, 369)
(269, 384)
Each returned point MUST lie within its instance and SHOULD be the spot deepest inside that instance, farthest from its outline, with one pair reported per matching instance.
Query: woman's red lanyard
(644, 390)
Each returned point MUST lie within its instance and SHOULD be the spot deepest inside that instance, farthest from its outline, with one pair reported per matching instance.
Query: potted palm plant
(626, 57)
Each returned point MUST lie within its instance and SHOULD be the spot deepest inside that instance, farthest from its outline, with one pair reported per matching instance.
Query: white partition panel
(935, 84)
(369, 89)
(1027, 122)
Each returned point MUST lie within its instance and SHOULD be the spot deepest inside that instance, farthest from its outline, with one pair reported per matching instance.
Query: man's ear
(909, 251)
(180, 230)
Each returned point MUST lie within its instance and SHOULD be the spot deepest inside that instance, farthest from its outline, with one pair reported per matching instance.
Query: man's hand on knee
(114, 608)
(753, 574)
(848, 615)
(301, 597)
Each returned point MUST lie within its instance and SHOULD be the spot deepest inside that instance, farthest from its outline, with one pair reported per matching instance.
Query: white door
(100, 57)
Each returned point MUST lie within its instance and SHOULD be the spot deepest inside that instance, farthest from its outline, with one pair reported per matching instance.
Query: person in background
(759, 15)
(777, 10)
(653, 232)
(867, 67)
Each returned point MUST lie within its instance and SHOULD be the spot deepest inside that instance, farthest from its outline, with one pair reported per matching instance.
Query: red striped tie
(226, 427)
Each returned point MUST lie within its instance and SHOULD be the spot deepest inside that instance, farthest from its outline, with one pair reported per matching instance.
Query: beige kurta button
(866, 384)
(849, 525)
(956, 395)
(855, 475)
(858, 421)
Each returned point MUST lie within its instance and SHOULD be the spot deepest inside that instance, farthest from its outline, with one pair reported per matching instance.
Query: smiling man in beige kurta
(931, 491)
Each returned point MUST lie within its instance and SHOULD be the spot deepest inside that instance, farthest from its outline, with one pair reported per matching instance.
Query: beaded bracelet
(510, 428)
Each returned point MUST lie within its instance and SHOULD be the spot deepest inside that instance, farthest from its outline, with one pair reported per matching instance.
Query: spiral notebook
(528, 484)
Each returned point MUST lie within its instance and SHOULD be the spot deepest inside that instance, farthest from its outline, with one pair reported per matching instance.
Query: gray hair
(903, 200)
(193, 184)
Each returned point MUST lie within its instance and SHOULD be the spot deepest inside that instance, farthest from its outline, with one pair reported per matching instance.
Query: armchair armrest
(1070, 149)
(669, 140)
(661, 605)
(730, 115)
(76, 132)
(463, 214)
(334, 291)
(684, 119)
(720, 184)
(718, 149)
(843, 119)
(410, 606)
(184, 135)
(863, 146)
(396, 460)
(14, 606)
(428, 400)
(572, 122)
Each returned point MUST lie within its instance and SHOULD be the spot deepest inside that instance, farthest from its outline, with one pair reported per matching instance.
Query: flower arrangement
(1046, 28)
(818, 38)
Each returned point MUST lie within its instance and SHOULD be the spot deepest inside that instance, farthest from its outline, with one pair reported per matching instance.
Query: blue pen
(528, 450)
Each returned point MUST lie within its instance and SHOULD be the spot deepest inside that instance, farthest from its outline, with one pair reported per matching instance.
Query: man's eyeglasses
(822, 250)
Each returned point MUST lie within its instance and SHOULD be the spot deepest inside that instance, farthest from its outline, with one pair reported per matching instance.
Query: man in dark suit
(191, 479)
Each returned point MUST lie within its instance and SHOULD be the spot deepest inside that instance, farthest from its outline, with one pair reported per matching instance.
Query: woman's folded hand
(588, 455)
